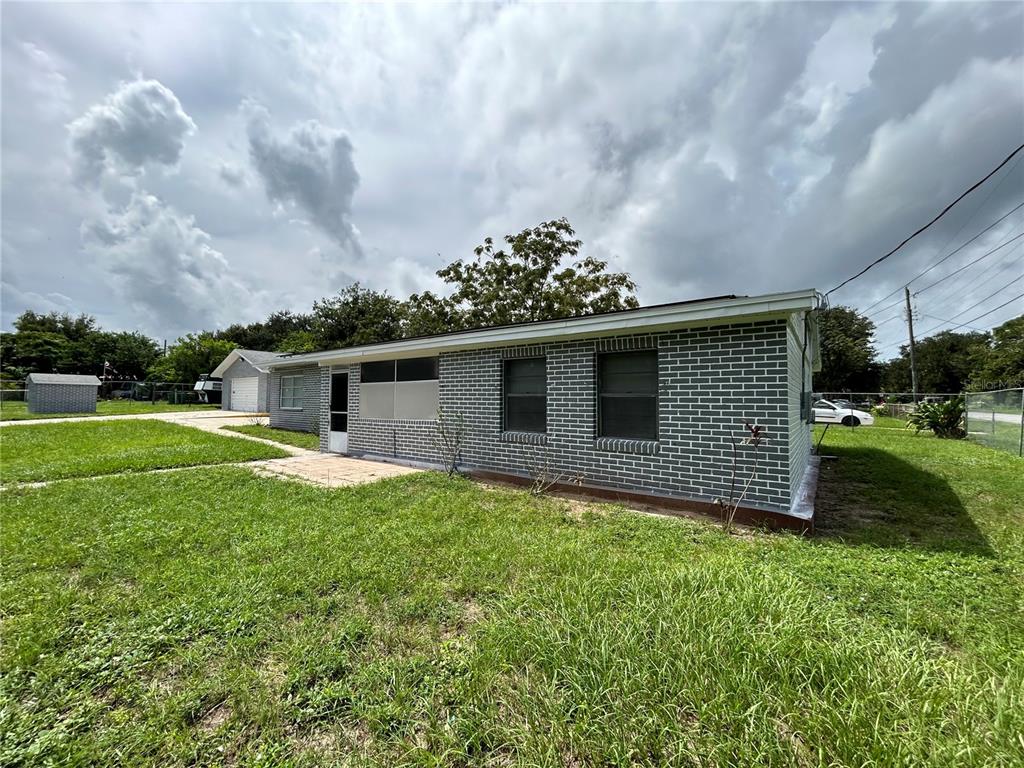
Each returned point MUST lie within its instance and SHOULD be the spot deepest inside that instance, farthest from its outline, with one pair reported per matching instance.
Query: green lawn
(305, 440)
(18, 411)
(214, 617)
(84, 449)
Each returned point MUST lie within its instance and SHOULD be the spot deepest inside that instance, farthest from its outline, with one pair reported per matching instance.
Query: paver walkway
(329, 469)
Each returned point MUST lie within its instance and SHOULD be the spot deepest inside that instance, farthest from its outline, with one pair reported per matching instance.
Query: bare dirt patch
(214, 717)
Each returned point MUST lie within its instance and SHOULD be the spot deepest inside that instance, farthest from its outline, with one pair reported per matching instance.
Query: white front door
(244, 394)
(337, 437)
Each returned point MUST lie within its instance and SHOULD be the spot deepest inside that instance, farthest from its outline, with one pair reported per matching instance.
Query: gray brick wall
(308, 418)
(241, 369)
(325, 403)
(710, 381)
(60, 398)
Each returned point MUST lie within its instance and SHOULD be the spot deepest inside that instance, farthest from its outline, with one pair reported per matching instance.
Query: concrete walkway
(190, 417)
(329, 470)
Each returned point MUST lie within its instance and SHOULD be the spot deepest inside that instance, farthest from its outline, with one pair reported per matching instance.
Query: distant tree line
(537, 275)
(946, 362)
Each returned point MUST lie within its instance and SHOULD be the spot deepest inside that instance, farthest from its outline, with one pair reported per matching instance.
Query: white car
(827, 412)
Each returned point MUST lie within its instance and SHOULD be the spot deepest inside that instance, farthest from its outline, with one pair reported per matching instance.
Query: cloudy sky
(176, 167)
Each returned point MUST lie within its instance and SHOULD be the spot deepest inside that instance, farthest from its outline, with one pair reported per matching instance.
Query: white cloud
(312, 170)
(166, 268)
(705, 148)
(141, 123)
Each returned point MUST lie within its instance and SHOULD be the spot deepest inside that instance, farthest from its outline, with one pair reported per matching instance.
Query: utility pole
(910, 329)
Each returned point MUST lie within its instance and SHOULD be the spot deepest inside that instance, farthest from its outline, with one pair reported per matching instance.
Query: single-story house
(635, 404)
(61, 393)
(245, 378)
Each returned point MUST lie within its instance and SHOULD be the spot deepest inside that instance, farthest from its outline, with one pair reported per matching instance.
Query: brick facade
(306, 419)
(711, 380)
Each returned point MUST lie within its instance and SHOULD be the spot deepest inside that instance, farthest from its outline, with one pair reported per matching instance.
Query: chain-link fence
(896, 404)
(176, 393)
(12, 395)
(996, 419)
(151, 391)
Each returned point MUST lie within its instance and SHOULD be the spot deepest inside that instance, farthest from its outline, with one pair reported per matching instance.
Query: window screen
(402, 389)
(526, 395)
(291, 391)
(375, 372)
(339, 392)
(627, 387)
(417, 369)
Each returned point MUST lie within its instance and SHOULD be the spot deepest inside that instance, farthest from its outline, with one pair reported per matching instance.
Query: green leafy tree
(130, 354)
(191, 355)
(848, 361)
(426, 314)
(35, 351)
(539, 275)
(61, 324)
(1002, 365)
(268, 335)
(356, 316)
(944, 363)
(297, 343)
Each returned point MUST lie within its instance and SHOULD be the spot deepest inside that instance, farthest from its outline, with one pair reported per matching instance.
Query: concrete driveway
(191, 418)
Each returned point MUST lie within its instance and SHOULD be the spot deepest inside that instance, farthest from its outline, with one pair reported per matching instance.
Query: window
(371, 373)
(627, 388)
(291, 392)
(399, 389)
(525, 395)
(417, 369)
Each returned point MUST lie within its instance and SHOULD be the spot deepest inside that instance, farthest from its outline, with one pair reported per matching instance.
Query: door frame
(337, 441)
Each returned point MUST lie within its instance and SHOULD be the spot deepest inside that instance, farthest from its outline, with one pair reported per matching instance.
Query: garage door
(244, 394)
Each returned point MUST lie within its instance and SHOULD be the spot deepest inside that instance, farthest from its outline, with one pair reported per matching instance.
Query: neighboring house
(61, 393)
(245, 378)
(633, 404)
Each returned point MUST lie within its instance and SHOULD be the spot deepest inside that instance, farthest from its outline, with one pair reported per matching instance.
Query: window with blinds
(627, 390)
(525, 394)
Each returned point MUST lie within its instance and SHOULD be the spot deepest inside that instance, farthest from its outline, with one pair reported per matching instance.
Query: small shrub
(451, 431)
(879, 410)
(755, 435)
(946, 419)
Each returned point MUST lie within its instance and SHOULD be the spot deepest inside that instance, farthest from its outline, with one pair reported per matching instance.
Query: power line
(970, 264)
(954, 251)
(965, 325)
(977, 303)
(980, 279)
(975, 319)
(941, 213)
(968, 323)
(890, 306)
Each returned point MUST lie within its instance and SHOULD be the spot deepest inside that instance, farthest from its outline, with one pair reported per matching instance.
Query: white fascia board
(226, 363)
(643, 320)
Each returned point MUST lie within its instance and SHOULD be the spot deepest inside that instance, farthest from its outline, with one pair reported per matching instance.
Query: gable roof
(254, 357)
(73, 379)
(718, 310)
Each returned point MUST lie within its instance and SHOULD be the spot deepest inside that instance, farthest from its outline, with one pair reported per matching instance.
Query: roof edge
(717, 311)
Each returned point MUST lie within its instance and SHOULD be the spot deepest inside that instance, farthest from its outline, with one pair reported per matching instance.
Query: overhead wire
(936, 218)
